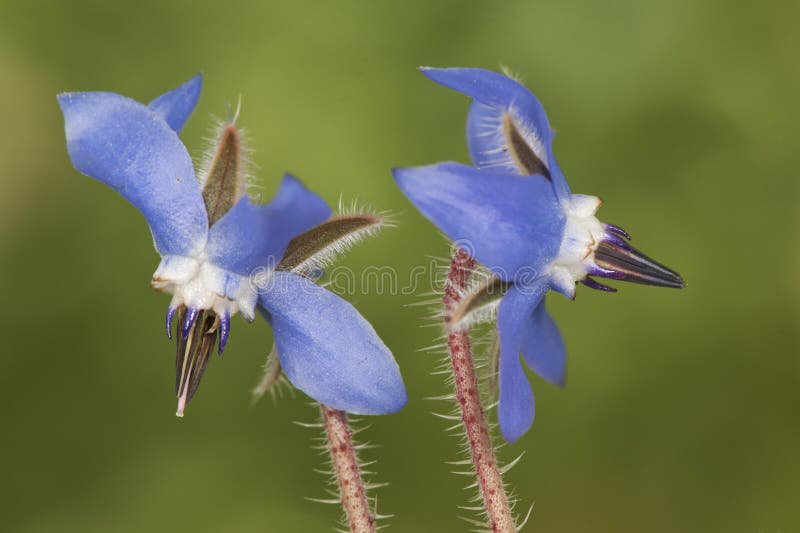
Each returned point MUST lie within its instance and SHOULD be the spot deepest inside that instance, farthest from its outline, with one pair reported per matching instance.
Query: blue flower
(516, 211)
(212, 239)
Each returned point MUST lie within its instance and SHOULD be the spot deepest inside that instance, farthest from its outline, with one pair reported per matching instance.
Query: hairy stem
(481, 449)
(348, 473)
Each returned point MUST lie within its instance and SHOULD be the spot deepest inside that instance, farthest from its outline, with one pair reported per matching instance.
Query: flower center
(583, 233)
(198, 284)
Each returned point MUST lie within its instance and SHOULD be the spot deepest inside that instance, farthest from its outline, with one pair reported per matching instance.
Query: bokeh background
(681, 412)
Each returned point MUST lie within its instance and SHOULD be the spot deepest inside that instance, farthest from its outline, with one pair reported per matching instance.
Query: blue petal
(130, 148)
(511, 224)
(251, 236)
(176, 106)
(515, 408)
(329, 351)
(298, 208)
(496, 95)
(543, 347)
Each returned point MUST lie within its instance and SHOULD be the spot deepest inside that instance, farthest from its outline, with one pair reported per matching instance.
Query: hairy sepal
(316, 248)
(479, 303)
(224, 168)
(273, 379)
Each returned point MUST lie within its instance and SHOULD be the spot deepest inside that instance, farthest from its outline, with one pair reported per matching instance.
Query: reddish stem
(348, 473)
(481, 450)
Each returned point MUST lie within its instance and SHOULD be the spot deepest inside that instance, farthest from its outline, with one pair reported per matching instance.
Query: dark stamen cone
(193, 353)
(223, 183)
(626, 263)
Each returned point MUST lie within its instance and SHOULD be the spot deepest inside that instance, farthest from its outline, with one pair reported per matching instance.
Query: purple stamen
(614, 239)
(618, 231)
(596, 270)
(592, 284)
(170, 316)
(188, 322)
(224, 330)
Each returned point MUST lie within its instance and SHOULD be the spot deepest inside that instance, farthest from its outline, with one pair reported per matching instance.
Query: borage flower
(212, 237)
(516, 211)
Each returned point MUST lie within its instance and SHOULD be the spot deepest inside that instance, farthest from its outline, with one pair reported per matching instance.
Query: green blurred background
(681, 412)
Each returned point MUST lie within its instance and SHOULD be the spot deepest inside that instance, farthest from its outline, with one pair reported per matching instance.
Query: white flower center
(582, 235)
(197, 283)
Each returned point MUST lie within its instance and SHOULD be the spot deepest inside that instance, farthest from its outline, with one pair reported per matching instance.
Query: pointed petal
(496, 90)
(511, 224)
(129, 148)
(176, 106)
(515, 409)
(251, 236)
(299, 208)
(329, 351)
(543, 347)
(507, 128)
